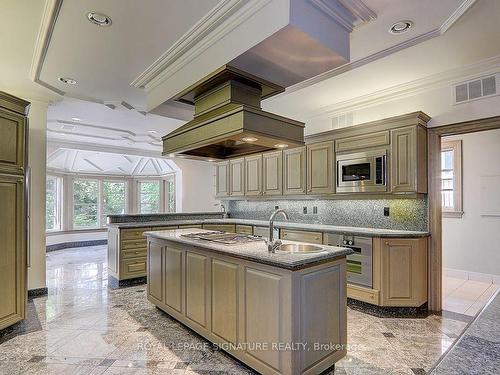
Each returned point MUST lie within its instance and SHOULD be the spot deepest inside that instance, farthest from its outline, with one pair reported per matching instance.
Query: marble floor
(466, 296)
(83, 328)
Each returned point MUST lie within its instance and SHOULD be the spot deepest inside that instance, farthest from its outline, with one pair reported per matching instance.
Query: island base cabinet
(262, 315)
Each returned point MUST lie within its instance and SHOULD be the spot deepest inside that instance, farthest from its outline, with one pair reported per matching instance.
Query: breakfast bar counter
(280, 313)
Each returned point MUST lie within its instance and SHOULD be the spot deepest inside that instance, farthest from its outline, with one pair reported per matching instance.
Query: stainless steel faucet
(223, 209)
(271, 243)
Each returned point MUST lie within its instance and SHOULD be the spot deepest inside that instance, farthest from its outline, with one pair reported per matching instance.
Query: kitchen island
(280, 313)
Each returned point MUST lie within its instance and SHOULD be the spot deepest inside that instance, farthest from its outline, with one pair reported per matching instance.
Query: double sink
(238, 239)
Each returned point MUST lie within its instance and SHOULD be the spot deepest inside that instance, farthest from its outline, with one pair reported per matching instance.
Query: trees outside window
(113, 199)
(53, 195)
(149, 197)
(85, 203)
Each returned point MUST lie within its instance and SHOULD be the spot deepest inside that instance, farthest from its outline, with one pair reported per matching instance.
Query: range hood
(228, 119)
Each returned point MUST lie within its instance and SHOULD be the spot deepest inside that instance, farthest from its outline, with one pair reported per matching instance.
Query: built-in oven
(359, 264)
(362, 171)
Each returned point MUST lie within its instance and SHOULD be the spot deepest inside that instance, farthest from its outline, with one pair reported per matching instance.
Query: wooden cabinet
(237, 177)
(320, 168)
(272, 173)
(244, 229)
(403, 271)
(294, 171)
(12, 139)
(409, 160)
(253, 175)
(155, 272)
(222, 179)
(13, 220)
(12, 250)
(197, 288)
(301, 236)
(363, 141)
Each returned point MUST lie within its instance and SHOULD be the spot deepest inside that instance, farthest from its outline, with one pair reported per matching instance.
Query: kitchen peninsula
(280, 313)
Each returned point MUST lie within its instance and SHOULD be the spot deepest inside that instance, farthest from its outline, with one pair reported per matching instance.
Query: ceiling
(91, 162)
(107, 61)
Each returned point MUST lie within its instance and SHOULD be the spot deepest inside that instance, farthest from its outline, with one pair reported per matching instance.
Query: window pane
(113, 199)
(447, 184)
(170, 195)
(85, 206)
(149, 197)
(448, 199)
(447, 159)
(52, 203)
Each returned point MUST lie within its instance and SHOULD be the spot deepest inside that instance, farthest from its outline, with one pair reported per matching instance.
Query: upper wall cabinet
(320, 168)
(237, 177)
(409, 160)
(294, 175)
(272, 173)
(12, 128)
(222, 179)
(253, 175)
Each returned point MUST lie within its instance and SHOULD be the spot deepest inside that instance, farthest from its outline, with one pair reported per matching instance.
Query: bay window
(85, 203)
(53, 203)
(149, 196)
(113, 199)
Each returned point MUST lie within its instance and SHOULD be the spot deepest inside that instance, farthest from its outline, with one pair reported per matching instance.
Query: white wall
(472, 243)
(76, 237)
(198, 186)
(37, 162)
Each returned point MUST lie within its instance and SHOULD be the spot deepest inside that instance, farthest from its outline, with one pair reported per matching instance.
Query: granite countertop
(477, 351)
(254, 251)
(370, 232)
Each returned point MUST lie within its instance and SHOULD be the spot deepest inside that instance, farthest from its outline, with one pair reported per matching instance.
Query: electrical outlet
(386, 211)
(304, 210)
(315, 210)
(276, 207)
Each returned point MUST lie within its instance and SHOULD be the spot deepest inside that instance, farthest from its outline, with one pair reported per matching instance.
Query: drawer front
(363, 294)
(132, 234)
(133, 244)
(133, 253)
(189, 226)
(167, 227)
(224, 227)
(244, 229)
(302, 236)
(135, 267)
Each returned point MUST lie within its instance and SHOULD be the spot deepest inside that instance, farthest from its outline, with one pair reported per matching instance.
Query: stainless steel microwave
(362, 172)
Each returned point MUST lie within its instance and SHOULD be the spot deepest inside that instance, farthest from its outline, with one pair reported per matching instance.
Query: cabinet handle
(387, 243)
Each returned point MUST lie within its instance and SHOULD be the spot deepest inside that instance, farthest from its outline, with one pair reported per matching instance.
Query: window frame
(457, 210)
(103, 222)
(161, 206)
(58, 203)
(166, 191)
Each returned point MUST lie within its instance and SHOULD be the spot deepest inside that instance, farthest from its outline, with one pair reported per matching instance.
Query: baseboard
(67, 245)
(39, 292)
(473, 276)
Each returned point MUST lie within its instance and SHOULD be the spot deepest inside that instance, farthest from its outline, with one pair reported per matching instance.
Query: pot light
(210, 159)
(171, 155)
(99, 19)
(281, 145)
(76, 118)
(152, 132)
(68, 81)
(249, 139)
(400, 27)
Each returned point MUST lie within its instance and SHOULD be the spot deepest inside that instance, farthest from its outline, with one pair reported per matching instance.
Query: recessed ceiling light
(401, 27)
(210, 159)
(152, 132)
(76, 118)
(68, 81)
(171, 155)
(99, 19)
(249, 139)
(281, 145)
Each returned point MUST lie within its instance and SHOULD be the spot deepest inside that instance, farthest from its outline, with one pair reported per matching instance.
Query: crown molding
(450, 21)
(359, 9)
(480, 68)
(349, 14)
(214, 26)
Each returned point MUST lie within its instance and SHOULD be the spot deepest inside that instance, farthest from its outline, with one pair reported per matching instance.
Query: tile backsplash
(404, 214)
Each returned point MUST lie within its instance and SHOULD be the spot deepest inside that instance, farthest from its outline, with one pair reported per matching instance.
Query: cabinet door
(155, 272)
(197, 288)
(294, 177)
(320, 170)
(404, 272)
(12, 128)
(403, 159)
(237, 177)
(272, 165)
(12, 251)
(173, 278)
(225, 300)
(222, 179)
(302, 236)
(253, 175)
